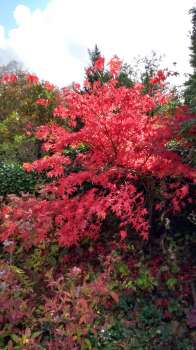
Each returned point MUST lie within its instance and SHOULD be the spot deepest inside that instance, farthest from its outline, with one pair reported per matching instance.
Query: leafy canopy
(112, 159)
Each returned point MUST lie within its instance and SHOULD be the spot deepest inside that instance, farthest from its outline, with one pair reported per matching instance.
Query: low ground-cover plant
(53, 297)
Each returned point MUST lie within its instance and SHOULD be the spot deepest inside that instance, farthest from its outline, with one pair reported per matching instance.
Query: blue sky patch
(7, 8)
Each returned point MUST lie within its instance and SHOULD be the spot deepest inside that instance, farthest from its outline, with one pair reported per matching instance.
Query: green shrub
(14, 180)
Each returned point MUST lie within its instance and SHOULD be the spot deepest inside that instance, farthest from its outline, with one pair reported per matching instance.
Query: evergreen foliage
(190, 85)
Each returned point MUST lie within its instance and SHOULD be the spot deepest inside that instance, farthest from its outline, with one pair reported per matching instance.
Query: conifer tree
(190, 91)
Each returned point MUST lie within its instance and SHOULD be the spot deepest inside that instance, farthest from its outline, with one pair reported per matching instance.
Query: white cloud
(2, 37)
(53, 42)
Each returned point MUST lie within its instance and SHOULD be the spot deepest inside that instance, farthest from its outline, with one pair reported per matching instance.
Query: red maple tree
(115, 163)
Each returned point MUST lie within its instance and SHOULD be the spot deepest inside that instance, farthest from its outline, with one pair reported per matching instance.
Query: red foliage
(125, 152)
(9, 78)
(14, 302)
(49, 86)
(158, 78)
(42, 102)
(115, 65)
(99, 64)
(33, 79)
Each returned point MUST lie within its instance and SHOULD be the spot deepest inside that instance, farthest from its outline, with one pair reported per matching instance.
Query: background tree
(11, 67)
(141, 69)
(190, 95)
(25, 103)
(93, 74)
(190, 90)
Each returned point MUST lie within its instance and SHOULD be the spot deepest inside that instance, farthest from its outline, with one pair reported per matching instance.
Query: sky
(52, 37)
(7, 8)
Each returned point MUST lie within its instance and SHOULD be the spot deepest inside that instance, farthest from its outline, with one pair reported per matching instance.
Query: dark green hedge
(14, 180)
